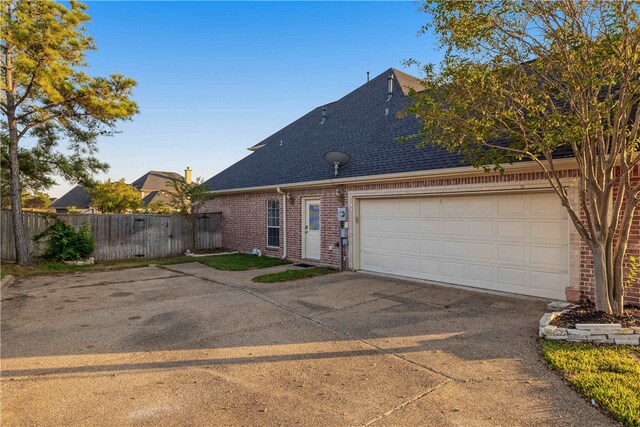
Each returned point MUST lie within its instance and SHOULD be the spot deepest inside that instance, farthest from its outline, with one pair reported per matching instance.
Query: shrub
(65, 243)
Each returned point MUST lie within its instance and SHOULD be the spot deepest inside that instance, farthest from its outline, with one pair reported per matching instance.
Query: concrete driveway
(190, 345)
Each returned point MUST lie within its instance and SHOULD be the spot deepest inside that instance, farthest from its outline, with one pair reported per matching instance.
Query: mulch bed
(211, 251)
(588, 314)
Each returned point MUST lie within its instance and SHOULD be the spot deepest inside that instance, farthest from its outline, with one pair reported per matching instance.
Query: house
(416, 213)
(77, 198)
(154, 187)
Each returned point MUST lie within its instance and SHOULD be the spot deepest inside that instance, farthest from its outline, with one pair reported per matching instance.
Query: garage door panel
(549, 231)
(512, 277)
(454, 229)
(431, 228)
(513, 207)
(482, 251)
(483, 207)
(483, 273)
(431, 267)
(513, 230)
(508, 254)
(409, 226)
(430, 208)
(431, 247)
(552, 256)
(454, 249)
(454, 207)
(482, 229)
(511, 242)
(408, 245)
(547, 206)
(547, 281)
(456, 270)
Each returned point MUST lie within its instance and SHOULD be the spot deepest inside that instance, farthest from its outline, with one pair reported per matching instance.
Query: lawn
(609, 375)
(293, 274)
(233, 262)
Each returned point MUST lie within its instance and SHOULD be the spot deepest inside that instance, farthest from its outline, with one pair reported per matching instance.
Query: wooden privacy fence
(123, 236)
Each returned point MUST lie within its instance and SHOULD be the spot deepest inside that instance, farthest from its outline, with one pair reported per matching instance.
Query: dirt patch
(211, 251)
(588, 314)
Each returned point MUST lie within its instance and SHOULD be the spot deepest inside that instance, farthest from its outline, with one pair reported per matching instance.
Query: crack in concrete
(332, 329)
(406, 403)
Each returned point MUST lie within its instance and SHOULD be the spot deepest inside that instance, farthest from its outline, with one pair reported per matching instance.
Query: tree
(36, 200)
(536, 80)
(46, 97)
(115, 197)
(188, 199)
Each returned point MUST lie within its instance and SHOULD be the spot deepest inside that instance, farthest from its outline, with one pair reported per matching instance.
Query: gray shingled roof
(156, 181)
(157, 197)
(77, 197)
(356, 124)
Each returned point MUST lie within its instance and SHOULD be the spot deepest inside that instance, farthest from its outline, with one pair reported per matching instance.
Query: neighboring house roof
(355, 124)
(156, 181)
(77, 197)
(157, 197)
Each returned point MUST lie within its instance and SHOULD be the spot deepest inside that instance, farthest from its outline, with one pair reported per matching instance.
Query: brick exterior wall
(244, 219)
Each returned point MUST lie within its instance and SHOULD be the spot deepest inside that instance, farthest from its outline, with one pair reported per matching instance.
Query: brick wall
(245, 219)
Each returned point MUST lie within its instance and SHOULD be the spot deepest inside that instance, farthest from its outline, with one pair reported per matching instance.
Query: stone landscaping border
(597, 333)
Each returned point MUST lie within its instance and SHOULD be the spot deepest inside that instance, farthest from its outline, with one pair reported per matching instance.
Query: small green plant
(65, 243)
(633, 268)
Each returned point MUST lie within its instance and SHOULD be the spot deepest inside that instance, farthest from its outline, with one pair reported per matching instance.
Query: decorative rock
(559, 305)
(579, 332)
(597, 333)
(614, 327)
(628, 340)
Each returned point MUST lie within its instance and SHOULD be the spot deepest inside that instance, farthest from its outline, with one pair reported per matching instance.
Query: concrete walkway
(190, 345)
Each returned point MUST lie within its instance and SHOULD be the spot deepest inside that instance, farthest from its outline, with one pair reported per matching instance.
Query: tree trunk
(21, 243)
(602, 279)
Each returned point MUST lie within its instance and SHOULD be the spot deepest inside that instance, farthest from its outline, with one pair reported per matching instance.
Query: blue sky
(216, 77)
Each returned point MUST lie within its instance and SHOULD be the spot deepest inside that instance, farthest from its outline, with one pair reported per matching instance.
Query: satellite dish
(337, 159)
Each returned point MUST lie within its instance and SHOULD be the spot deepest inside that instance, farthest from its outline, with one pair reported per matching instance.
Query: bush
(65, 243)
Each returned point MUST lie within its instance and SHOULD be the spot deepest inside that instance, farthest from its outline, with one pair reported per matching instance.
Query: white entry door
(509, 242)
(312, 229)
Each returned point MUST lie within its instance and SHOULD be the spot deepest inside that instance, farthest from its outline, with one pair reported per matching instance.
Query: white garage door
(509, 242)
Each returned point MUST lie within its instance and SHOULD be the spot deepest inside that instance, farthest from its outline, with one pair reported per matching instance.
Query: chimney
(324, 115)
(187, 175)
(368, 75)
(390, 87)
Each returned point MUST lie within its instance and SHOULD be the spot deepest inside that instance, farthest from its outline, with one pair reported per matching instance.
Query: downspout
(284, 221)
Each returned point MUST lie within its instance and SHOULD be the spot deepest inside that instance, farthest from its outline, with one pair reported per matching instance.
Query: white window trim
(273, 226)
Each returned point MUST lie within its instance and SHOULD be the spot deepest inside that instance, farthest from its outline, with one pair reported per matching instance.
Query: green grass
(233, 262)
(609, 375)
(293, 274)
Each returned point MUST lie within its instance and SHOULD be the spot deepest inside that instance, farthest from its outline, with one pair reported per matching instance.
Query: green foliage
(609, 375)
(159, 208)
(633, 269)
(65, 243)
(115, 197)
(189, 197)
(53, 98)
(293, 274)
(539, 80)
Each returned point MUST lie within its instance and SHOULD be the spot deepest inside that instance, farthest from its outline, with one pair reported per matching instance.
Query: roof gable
(77, 196)
(363, 123)
(156, 181)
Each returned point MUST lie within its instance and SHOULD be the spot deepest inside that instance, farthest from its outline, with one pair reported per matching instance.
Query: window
(273, 223)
